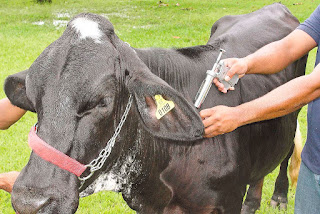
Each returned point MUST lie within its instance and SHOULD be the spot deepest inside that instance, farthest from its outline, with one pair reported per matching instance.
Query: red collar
(52, 155)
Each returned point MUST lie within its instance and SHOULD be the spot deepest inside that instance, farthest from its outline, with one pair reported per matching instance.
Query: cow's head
(78, 87)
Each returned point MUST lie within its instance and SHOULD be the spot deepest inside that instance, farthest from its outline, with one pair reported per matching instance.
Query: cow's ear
(164, 111)
(15, 89)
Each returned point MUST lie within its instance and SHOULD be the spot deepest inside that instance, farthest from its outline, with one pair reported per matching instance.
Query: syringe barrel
(203, 91)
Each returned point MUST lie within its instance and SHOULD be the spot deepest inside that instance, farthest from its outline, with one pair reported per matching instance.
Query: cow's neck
(179, 67)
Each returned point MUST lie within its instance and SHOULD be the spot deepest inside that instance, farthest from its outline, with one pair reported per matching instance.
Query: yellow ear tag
(163, 106)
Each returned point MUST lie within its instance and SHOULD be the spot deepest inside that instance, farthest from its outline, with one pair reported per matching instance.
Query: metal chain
(97, 163)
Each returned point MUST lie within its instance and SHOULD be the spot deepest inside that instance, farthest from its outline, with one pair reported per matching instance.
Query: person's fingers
(219, 120)
(208, 132)
(219, 85)
(231, 73)
(229, 62)
(210, 135)
(204, 113)
(207, 122)
(237, 66)
(241, 75)
(212, 131)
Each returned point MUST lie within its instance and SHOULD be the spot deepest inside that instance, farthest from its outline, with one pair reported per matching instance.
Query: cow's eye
(102, 103)
(105, 102)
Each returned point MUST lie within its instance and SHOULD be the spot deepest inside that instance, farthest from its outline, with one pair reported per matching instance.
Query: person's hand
(219, 120)
(237, 66)
(7, 180)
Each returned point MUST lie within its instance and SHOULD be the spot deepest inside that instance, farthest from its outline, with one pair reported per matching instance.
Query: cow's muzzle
(51, 200)
(25, 201)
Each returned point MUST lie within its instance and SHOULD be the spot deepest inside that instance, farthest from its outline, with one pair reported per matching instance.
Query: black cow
(81, 84)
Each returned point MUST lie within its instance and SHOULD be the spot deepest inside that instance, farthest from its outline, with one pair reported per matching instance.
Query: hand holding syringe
(219, 71)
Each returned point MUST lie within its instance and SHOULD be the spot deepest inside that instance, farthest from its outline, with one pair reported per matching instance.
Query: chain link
(98, 163)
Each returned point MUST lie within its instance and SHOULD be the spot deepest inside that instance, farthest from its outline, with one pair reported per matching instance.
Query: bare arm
(284, 99)
(278, 55)
(7, 180)
(281, 101)
(9, 113)
(271, 58)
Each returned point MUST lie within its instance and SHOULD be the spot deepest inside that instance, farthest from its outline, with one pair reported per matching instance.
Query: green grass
(141, 23)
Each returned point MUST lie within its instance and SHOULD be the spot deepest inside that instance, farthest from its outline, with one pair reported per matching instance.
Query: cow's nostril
(41, 203)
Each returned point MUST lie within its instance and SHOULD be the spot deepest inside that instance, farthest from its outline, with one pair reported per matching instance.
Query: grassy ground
(27, 28)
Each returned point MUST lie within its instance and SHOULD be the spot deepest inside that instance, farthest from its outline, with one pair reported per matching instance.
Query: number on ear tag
(163, 106)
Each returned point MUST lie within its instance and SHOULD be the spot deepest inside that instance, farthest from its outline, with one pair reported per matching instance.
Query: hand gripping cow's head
(79, 87)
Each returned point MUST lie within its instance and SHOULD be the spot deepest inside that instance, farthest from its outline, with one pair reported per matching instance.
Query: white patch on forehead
(87, 29)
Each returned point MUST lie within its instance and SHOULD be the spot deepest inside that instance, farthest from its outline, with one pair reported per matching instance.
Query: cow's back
(244, 34)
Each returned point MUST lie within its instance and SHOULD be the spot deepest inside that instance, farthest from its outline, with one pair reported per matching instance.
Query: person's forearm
(9, 114)
(282, 100)
(7, 180)
(267, 60)
(276, 56)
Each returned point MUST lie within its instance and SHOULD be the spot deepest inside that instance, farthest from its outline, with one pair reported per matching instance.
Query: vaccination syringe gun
(219, 71)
